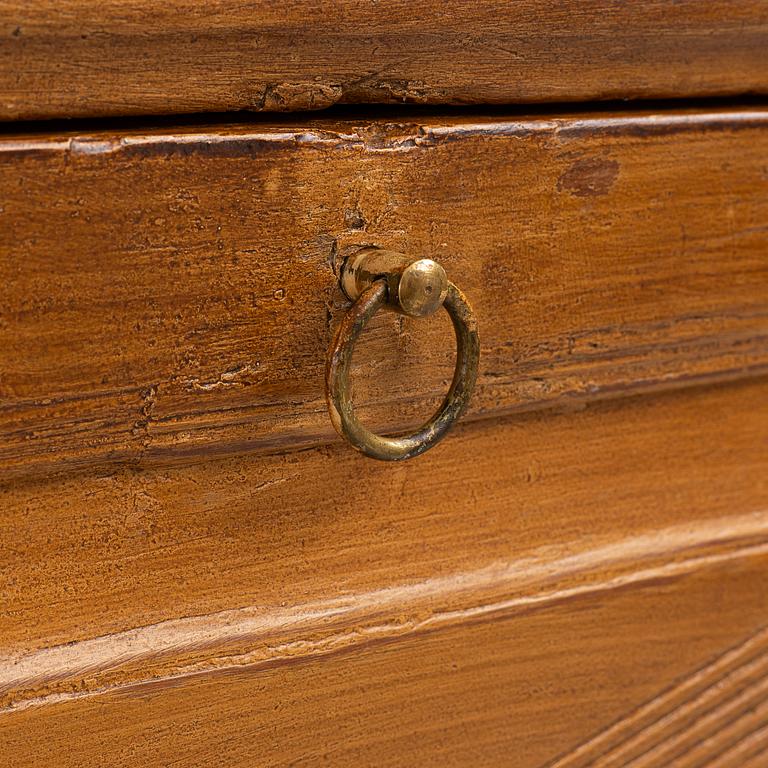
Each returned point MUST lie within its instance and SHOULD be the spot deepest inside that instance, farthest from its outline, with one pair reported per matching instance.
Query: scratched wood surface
(169, 295)
(582, 586)
(64, 58)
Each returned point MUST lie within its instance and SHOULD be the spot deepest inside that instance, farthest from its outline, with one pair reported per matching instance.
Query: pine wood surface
(169, 295)
(570, 587)
(194, 570)
(508, 692)
(64, 58)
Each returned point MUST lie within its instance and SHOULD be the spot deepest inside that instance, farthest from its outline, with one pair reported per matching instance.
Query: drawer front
(85, 57)
(194, 568)
(172, 296)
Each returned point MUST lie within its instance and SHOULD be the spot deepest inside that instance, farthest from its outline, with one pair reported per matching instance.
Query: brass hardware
(415, 287)
(374, 278)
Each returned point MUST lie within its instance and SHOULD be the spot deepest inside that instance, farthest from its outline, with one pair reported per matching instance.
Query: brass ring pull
(374, 278)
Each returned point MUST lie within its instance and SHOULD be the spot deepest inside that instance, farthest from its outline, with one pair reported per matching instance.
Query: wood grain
(522, 684)
(259, 637)
(67, 58)
(715, 717)
(168, 296)
(316, 600)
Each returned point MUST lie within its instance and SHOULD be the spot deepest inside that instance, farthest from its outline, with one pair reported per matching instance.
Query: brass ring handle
(375, 278)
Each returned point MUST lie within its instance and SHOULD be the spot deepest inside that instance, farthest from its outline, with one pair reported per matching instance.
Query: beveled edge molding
(258, 637)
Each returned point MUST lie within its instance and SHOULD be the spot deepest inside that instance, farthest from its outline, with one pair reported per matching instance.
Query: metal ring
(338, 388)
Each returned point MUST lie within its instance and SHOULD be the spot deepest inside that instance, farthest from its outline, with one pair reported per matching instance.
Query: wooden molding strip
(177, 299)
(98, 554)
(261, 636)
(481, 690)
(85, 58)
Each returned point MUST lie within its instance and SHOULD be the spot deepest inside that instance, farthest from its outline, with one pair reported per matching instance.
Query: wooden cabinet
(195, 569)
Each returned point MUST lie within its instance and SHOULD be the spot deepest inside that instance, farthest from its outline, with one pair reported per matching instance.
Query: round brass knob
(374, 278)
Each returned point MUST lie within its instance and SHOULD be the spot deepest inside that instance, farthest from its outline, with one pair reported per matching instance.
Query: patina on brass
(374, 278)
(415, 287)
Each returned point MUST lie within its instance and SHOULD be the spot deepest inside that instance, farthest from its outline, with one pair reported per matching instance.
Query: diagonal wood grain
(177, 299)
(740, 730)
(749, 752)
(697, 722)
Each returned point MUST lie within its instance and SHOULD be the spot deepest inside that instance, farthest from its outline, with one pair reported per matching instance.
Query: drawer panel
(169, 296)
(85, 57)
(103, 553)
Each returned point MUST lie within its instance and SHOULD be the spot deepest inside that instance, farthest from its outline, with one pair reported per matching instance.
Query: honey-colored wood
(168, 296)
(64, 58)
(512, 690)
(715, 717)
(573, 587)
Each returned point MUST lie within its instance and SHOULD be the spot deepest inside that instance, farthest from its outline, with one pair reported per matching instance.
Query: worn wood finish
(514, 689)
(64, 58)
(169, 296)
(105, 553)
(318, 605)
